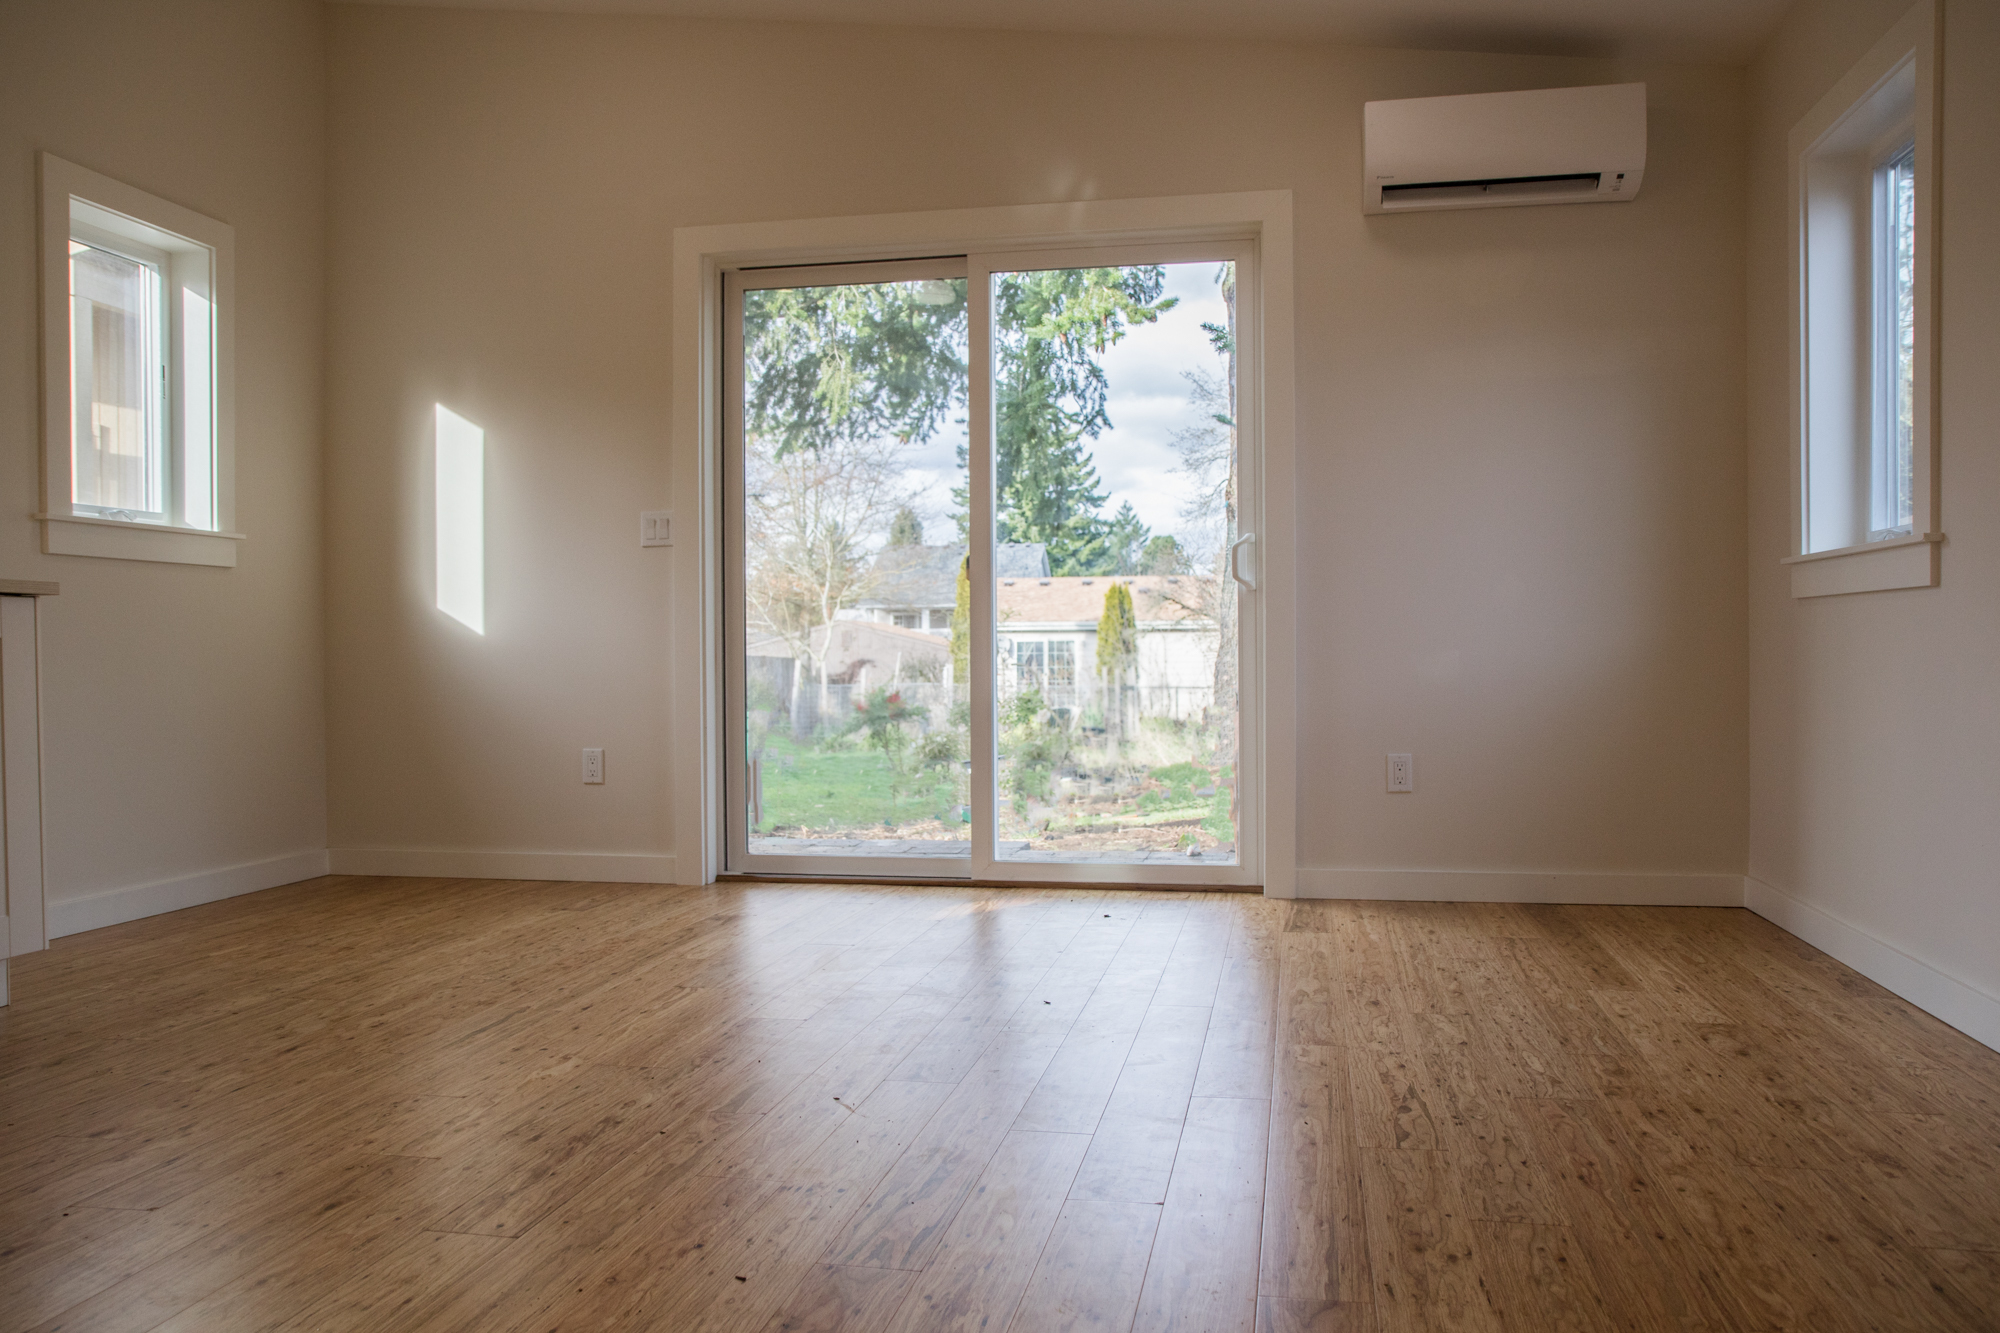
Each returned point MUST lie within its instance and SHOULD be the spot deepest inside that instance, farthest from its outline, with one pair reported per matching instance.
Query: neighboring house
(1048, 639)
(916, 587)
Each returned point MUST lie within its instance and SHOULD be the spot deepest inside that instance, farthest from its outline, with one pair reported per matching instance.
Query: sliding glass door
(845, 457)
(990, 569)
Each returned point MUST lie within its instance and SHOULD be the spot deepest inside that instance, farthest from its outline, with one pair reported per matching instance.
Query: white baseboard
(1935, 991)
(594, 867)
(1519, 886)
(68, 916)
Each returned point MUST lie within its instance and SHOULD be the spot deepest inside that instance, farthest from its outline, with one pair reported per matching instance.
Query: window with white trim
(135, 328)
(1864, 192)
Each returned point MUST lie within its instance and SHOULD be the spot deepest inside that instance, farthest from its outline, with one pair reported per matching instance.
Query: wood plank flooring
(500, 1107)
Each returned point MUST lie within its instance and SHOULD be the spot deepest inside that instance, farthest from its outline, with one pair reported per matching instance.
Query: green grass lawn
(810, 787)
(841, 789)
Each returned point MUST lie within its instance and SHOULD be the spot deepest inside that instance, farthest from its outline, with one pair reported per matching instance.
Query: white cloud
(1148, 399)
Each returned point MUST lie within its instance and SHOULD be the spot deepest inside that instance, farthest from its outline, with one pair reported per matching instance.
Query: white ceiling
(1727, 31)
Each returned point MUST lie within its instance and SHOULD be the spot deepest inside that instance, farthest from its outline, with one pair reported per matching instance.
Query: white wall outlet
(593, 763)
(656, 528)
(1402, 772)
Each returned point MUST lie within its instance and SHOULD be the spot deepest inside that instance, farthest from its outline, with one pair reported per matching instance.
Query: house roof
(1155, 598)
(928, 575)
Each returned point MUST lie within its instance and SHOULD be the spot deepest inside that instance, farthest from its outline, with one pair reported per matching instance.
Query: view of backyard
(1114, 509)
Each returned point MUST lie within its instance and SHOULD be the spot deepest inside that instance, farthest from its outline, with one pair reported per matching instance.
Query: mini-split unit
(1503, 150)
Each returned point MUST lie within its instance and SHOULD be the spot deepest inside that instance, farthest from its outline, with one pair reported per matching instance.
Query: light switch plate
(656, 528)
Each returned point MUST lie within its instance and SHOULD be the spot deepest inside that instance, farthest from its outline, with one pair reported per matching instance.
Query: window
(906, 619)
(1866, 459)
(1028, 664)
(1062, 664)
(136, 403)
(1044, 664)
(940, 619)
(1894, 344)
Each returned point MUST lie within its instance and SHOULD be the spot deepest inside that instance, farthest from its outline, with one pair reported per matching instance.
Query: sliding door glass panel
(853, 616)
(1114, 510)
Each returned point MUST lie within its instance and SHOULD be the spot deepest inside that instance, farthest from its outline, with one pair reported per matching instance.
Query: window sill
(120, 539)
(1900, 562)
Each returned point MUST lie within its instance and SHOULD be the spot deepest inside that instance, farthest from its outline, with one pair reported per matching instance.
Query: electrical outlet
(656, 528)
(1402, 772)
(593, 763)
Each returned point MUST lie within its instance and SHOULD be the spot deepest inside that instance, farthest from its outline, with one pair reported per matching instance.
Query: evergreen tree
(1117, 634)
(822, 365)
(1051, 327)
(825, 365)
(961, 627)
(1126, 541)
(1117, 654)
(1163, 555)
(906, 529)
(1052, 496)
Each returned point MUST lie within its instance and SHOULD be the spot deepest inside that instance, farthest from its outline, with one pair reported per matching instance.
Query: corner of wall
(1929, 987)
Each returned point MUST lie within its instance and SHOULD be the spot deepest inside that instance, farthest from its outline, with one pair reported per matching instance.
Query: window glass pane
(116, 374)
(1028, 665)
(856, 608)
(1115, 466)
(1903, 271)
(1062, 666)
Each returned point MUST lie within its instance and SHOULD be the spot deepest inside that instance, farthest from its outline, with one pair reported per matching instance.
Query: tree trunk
(792, 704)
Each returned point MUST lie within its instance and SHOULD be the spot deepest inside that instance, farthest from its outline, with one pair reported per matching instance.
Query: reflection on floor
(501, 1107)
(1007, 850)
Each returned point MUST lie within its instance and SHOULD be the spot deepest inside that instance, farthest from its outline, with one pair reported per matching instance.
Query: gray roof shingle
(928, 575)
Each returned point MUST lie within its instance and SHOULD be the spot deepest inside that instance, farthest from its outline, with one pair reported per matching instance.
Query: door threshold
(916, 881)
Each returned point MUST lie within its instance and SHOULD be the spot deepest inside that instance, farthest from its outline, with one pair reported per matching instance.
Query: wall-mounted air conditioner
(1497, 150)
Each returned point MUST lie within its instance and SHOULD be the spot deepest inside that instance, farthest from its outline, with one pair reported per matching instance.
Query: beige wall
(1522, 495)
(1875, 718)
(183, 706)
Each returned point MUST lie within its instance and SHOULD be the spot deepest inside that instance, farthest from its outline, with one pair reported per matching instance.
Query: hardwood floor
(369, 1104)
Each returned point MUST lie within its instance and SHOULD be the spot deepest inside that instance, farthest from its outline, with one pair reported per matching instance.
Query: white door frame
(702, 254)
(23, 909)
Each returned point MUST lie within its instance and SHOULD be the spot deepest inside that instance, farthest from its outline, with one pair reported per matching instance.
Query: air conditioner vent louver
(1510, 187)
(1491, 150)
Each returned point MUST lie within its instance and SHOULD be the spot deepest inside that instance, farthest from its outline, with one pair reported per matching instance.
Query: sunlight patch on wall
(461, 519)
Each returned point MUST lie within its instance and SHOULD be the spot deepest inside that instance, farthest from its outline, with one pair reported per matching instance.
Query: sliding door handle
(1245, 574)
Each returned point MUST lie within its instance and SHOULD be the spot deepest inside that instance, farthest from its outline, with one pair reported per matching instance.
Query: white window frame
(190, 252)
(703, 254)
(1843, 407)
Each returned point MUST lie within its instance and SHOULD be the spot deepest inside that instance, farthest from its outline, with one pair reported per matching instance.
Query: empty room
(880, 666)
